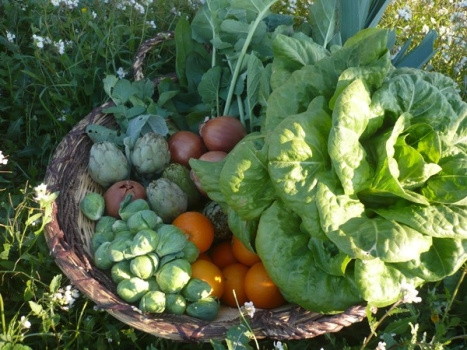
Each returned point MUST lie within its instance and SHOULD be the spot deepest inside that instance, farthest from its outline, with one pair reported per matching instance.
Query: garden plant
(58, 58)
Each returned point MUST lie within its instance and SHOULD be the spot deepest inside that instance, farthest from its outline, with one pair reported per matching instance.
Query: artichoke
(107, 164)
(167, 199)
(151, 154)
(180, 174)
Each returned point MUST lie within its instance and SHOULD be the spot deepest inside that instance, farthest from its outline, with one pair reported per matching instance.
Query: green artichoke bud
(92, 206)
(151, 154)
(167, 199)
(107, 164)
(153, 301)
(180, 175)
(175, 304)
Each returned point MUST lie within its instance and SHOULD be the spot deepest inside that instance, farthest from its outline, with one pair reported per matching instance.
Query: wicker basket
(69, 234)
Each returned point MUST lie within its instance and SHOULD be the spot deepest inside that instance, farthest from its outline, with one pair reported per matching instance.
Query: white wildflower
(10, 37)
(278, 346)
(24, 322)
(121, 73)
(405, 13)
(152, 24)
(60, 46)
(3, 159)
(249, 308)
(381, 346)
(409, 293)
(41, 192)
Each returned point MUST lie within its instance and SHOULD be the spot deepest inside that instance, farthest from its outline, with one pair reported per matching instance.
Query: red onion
(184, 145)
(116, 193)
(222, 133)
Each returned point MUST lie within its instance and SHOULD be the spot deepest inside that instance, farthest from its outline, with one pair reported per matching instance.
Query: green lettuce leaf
(291, 265)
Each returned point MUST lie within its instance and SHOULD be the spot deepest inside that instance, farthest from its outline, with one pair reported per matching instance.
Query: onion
(184, 145)
(210, 156)
(222, 133)
(116, 193)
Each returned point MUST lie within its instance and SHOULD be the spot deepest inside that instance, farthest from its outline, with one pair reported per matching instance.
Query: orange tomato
(234, 280)
(260, 289)
(198, 229)
(204, 256)
(222, 254)
(206, 270)
(243, 254)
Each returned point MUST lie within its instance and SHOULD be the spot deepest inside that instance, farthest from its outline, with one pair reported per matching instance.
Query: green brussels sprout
(190, 252)
(92, 206)
(107, 163)
(167, 258)
(155, 260)
(104, 224)
(196, 289)
(119, 225)
(204, 309)
(100, 237)
(175, 304)
(153, 301)
(101, 257)
(142, 266)
(150, 154)
(167, 199)
(133, 289)
(124, 235)
(143, 220)
(174, 275)
(118, 249)
(153, 283)
(171, 240)
(129, 206)
(180, 175)
(121, 271)
(145, 241)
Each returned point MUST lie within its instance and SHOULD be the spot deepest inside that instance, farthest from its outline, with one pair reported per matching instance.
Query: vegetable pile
(342, 173)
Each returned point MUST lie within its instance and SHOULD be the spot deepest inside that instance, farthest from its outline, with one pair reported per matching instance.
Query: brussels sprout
(190, 252)
(171, 240)
(100, 237)
(119, 225)
(143, 220)
(144, 242)
(101, 257)
(175, 304)
(204, 309)
(153, 284)
(196, 289)
(104, 224)
(128, 207)
(174, 275)
(155, 260)
(92, 206)
(133, 289)
(142, 266)
(152, 301)
(118, 250)
(121, 271)
(107, 164)
(124, 235)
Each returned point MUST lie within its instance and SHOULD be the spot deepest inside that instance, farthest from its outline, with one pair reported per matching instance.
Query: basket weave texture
(69, 234)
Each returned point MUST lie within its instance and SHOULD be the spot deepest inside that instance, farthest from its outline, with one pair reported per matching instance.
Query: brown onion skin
(222, 133)
(184, 145)
(116, 193)
(210, 156)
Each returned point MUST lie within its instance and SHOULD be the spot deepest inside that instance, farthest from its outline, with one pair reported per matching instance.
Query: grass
(53, 57)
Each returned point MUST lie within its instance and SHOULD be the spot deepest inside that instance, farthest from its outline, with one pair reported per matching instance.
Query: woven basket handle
(144, 49)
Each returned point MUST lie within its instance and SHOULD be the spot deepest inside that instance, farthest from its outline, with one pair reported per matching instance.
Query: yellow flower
(84, 9)
(434, 318)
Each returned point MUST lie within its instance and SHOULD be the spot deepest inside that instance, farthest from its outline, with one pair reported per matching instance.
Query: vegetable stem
(239, 63)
